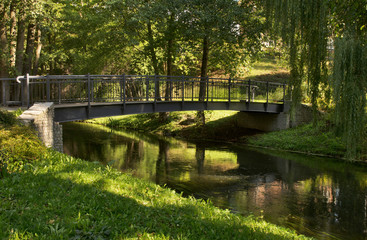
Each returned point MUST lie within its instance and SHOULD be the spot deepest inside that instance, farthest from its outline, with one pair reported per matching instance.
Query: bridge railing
(136, 88)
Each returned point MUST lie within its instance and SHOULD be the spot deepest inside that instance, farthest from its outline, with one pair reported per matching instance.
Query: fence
(61, 89)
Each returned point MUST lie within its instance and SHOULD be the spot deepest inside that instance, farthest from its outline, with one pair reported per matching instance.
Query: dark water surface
(315, 196)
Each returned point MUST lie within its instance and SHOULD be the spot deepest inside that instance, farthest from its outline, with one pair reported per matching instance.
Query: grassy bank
(319, 140)
(49, 195)
(220, 125)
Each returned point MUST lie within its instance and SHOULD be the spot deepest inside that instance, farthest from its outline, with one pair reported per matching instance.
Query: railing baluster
(207, 88)
(27, 90)
(88, 83)
(147, 87)
(192, 90)
(4, 92)
(48, 94)
(155, 88)
(121, 88)
(59, 91)
(267, 92)
(212, 90)
(229, 90)
(249, 91)
(183, 88)
(124, 88)
(284, 93)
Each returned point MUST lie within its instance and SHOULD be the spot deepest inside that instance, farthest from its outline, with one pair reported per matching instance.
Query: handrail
(127, 88)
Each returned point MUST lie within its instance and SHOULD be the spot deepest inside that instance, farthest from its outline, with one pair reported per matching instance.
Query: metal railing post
(147, 87)
(207, 88)
(48, 88)
(171, 88)
(192, 90)
(27, 91)
(155, 88)
(4, 92)
(124, 88)
(88, 83)
(229, 90)
(183, 88)
(267, 92)
(212, 90)
(284, 93)
(121, 87)
(249, 91)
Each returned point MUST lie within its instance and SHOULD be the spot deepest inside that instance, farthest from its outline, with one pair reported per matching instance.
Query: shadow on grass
(58, 204)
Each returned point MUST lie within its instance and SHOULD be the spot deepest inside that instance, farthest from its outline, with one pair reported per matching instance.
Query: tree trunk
(204, 69)
(3, 53)
(200, 116)
(3, 42)
(170, 36)
(30, 48)
(154, 59)
(13, 33)
(38, 52)
(19, 59)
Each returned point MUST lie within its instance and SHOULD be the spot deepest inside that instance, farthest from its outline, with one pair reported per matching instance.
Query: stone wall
(41, 117)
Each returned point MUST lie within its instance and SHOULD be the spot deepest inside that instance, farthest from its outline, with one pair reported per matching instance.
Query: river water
(317, 197)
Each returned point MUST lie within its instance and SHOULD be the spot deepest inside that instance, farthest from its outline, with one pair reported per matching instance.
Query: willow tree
(349, 22)
(350, 85)
(303, 27)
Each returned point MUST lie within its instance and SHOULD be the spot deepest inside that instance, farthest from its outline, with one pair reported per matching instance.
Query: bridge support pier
(41, 117)
(269, 122)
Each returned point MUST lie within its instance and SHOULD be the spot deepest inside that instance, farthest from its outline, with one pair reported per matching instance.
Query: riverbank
(222, 126)
(49, 195)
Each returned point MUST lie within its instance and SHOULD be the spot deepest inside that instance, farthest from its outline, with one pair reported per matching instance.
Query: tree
(227, 25)
(306, 27)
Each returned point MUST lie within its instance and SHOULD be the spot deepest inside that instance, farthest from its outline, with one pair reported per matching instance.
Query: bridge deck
(81, 111)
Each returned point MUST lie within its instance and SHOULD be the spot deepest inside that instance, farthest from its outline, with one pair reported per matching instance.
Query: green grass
(269, 68)
(220, 125)
(55, 196)
(307, 138)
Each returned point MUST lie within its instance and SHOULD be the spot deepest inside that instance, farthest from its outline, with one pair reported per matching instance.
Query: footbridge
(79, 97)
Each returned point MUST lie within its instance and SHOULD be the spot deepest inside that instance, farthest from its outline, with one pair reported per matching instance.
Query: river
(318, 197)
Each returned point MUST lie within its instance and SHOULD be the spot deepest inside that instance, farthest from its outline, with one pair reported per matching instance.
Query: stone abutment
(41, 117)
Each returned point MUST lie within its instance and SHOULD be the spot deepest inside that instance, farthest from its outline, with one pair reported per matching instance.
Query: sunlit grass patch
(66, 198)
(307, 138)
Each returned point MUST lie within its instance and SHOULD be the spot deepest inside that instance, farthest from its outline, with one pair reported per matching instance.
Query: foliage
(7, 118)
(304, 30)
(309, 29)
(19, 145)
(350, 86)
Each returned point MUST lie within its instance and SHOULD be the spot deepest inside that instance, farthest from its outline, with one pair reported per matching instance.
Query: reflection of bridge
(80, 97)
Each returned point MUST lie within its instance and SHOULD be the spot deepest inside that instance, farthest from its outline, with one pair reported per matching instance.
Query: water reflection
(314, 196)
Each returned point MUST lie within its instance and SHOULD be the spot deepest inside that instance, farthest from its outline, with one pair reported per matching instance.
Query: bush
(7, 118)
(19, 145)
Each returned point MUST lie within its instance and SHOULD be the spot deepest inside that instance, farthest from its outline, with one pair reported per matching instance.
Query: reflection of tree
(162, 172)
(200, 157)
(134, 153)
